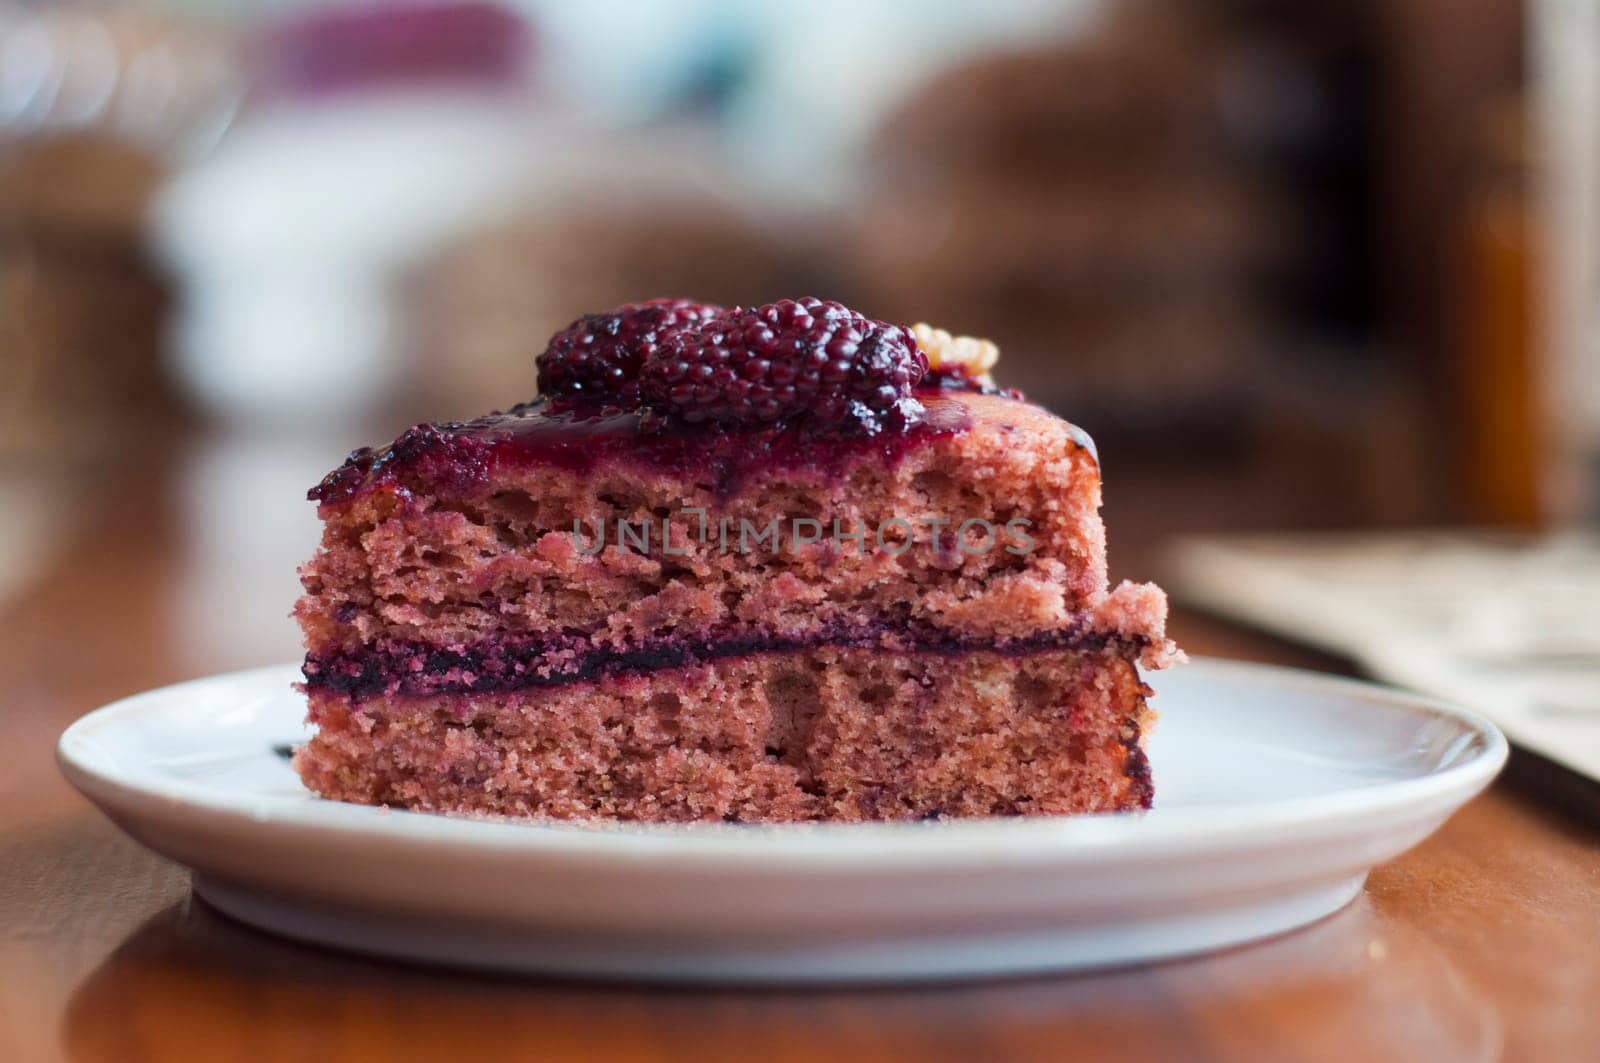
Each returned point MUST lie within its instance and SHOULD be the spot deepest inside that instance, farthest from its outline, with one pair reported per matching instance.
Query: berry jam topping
(461, 459)
(793, 360)
(687, 389)
(597, 357)
(960, 379)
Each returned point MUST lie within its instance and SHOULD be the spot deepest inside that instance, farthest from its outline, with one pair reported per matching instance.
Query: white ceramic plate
(1276, 792)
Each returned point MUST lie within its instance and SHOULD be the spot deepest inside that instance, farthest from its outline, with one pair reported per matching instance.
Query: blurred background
(1298, 267)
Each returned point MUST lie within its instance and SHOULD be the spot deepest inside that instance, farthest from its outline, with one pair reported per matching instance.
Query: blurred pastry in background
(1085, 204)
(478, 312)
(95, 105)
(80, 306)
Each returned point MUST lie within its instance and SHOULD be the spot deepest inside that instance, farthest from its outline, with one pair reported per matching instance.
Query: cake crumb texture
(414, 564)
(833, 733)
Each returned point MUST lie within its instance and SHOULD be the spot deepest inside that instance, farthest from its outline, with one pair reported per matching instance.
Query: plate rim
(948, 844)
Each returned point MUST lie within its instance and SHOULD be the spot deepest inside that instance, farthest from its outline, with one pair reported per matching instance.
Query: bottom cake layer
(832, 733)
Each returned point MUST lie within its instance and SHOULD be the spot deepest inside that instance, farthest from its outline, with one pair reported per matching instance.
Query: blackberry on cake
(796, 359)
(597, 357)
(752, 565)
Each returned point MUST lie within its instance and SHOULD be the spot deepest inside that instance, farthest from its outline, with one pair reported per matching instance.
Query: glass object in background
(1501, 411)
(1566, 54)
(374, 135)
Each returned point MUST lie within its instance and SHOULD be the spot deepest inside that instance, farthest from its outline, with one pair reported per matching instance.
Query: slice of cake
(782, 563)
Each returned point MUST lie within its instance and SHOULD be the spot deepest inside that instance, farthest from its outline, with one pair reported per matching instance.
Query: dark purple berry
(598, 356)
(796, 359)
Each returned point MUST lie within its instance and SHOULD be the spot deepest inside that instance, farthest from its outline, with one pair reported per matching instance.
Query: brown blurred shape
(81, 309)
(1082, 204)
(483, 310)
(98, 97)
(1496, 396)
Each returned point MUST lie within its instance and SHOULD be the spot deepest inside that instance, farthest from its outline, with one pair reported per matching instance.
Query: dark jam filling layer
(460, 458)
(1137, 767)
(506, 663)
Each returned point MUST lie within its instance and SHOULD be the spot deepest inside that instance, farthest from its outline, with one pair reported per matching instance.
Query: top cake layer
(560, 528)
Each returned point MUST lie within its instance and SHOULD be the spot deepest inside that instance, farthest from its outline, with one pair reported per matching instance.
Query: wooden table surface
(1483, 943)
